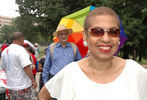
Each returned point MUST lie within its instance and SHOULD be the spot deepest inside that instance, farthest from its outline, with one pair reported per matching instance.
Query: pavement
(37, 80)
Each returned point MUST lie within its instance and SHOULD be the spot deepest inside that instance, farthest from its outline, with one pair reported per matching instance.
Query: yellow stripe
(77, 27)
(70, 23)
(63, 21)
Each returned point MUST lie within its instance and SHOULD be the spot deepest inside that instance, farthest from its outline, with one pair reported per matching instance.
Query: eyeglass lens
(113, 32)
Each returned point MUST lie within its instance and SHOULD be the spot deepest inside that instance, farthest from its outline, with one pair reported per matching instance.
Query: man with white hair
(61, 54)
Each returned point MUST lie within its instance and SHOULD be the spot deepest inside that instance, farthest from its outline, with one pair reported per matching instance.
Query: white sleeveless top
(72, 84)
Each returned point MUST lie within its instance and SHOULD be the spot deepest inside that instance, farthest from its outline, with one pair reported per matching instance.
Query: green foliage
(25, 24)
(7, 32)
(133, 17)
(47, 14)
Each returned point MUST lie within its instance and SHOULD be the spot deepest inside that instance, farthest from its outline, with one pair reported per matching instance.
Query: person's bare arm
(44, 94)
(28, 71)
(40, 67)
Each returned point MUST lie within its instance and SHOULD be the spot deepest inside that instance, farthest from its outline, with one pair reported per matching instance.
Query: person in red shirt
(3, 47)
(32, 58)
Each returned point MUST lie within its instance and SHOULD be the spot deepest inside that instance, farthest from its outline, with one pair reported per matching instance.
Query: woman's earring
(119, 43)
(85, 43)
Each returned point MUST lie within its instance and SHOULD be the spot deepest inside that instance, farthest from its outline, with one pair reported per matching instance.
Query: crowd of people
(65, 75)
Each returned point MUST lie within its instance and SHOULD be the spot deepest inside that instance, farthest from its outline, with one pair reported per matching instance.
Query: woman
(100, 76)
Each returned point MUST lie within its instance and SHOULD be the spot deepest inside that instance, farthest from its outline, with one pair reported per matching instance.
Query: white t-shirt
(14, 59)
(72, 84)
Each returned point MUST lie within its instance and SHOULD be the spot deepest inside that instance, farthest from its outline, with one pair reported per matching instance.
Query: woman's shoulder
(128, 62)
(135, 67)
(133, 64)
(67, 73)
(68, 70)
(71, 67)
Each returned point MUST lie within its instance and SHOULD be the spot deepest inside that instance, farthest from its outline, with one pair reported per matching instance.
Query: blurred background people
(36, 47)
(40, 68)
(16, 62)
(33, 59)
(5, 45)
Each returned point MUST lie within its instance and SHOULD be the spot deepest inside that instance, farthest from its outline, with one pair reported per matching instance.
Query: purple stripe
(122, 41)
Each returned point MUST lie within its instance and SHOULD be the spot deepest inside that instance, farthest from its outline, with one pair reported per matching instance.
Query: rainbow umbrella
(75, 21)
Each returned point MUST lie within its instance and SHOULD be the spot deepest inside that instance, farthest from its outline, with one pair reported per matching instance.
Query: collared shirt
(61, 57)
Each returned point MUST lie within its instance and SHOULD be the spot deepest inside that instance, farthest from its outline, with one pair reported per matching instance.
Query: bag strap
(52, 47)
(74, 48)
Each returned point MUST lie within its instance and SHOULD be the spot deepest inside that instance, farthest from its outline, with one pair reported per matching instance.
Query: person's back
(15, 73)
(15, 60)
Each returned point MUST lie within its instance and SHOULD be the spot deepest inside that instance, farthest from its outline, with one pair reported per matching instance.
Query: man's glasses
(97, 32)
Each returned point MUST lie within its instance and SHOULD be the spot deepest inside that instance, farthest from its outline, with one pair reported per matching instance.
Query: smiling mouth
(105, 49)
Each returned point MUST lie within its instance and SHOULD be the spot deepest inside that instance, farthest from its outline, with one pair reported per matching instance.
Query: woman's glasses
(97, 32)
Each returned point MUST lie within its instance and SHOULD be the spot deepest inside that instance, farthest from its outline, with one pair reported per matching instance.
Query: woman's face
(102, 46)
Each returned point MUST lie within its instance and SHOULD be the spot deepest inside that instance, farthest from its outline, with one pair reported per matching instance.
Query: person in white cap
(61, 54)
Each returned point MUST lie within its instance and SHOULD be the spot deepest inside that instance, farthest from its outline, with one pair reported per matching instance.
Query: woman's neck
(100, 65)
(102, 71)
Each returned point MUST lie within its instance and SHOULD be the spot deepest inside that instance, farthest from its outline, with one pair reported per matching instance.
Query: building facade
(5, 20)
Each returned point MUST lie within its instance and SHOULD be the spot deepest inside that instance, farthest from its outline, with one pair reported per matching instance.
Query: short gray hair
(100, 11)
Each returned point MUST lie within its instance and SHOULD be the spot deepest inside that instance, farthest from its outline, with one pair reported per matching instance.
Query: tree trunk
(134, 55)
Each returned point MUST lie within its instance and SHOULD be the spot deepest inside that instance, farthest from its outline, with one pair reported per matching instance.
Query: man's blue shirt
(61, 57)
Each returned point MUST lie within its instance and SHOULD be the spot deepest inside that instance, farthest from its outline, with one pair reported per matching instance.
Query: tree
(7, 32)
(25, 25)
(47, 13)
